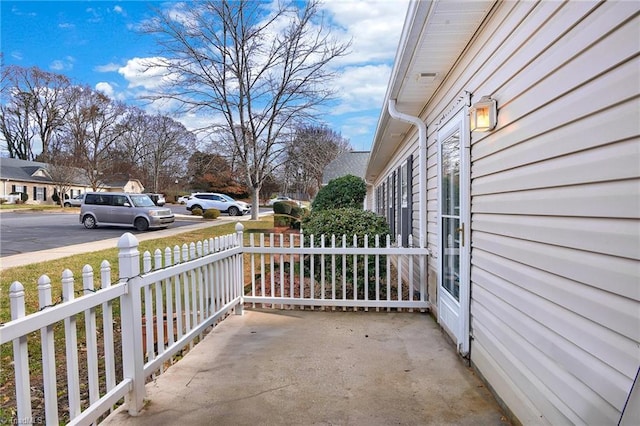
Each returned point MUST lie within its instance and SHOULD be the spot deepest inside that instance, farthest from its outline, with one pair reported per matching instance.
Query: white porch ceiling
(435, 35)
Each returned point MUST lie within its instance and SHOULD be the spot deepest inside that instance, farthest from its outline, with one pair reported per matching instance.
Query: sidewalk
(65, 251)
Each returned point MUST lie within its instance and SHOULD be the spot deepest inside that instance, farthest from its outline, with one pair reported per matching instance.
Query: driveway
(294, 367)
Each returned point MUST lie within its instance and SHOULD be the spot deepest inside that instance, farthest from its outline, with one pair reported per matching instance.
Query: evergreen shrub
(349, 222)
(342, 192)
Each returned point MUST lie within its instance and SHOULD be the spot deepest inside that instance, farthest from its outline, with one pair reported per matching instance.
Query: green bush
(197, 212)
(349, 222)
(346, 221)
(283, 207)
(287, 213)
(211, 214)
(342, 192)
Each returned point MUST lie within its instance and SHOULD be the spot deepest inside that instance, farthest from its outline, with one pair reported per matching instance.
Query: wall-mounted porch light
(483, 115)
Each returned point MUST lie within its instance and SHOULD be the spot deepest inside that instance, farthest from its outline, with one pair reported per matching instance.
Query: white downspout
(422, 133)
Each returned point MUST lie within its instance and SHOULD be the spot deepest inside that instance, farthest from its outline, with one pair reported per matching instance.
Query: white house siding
(555, 202)
(555, 205)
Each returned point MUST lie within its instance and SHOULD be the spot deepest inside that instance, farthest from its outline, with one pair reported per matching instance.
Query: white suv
(75, 201)
(224, 203)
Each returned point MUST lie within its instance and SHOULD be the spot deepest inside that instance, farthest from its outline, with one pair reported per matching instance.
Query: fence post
(48, 354)
(20, 355)
(131, 306)
(239, 273)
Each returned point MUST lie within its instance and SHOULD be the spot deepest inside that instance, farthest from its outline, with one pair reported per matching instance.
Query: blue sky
(96, 43)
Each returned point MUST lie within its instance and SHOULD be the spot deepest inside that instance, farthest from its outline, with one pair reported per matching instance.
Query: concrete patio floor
(272, 367)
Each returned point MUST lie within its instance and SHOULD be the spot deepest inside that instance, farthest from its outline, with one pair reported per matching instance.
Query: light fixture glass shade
(483, 115)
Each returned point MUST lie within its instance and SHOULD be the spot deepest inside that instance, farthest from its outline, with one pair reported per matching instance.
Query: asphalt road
(25, 232)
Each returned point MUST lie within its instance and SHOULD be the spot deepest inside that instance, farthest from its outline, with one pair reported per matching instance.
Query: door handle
(461, 231)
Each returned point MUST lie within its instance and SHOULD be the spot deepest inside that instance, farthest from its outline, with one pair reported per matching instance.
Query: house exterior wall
(555, 196)
(554, 203)
(38, 192)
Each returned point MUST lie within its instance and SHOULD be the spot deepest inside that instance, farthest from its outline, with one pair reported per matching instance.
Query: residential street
(26, 232)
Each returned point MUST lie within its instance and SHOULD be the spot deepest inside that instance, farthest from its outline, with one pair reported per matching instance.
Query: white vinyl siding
(555, 207)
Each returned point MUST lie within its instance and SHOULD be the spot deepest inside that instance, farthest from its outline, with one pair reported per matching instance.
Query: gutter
(422, 164)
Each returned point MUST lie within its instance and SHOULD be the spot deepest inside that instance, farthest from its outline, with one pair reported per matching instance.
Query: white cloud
(374, 28)
(118, 9)
(106, 88)
(138, 73)
(110, 67)
(361, 88)
(358, 130)
(64, 64)
(373, 25)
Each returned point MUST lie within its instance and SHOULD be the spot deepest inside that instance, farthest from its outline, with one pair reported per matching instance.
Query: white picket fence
(163, 302)
(190, 289)
(306, 270)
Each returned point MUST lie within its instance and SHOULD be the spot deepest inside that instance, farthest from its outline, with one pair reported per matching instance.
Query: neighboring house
(533, 225)
(32, 178)
(349, 163)
(123, 185)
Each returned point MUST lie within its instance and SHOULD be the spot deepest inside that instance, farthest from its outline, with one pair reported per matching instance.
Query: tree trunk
(255, 204)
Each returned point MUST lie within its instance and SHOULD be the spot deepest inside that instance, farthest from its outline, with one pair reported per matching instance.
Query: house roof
(32, 171)
(434, 36)
(349, 163)
(23, 170)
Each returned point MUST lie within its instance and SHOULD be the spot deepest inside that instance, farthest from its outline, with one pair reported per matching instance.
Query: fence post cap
(16, 287)
(127, 240)
(239, 227)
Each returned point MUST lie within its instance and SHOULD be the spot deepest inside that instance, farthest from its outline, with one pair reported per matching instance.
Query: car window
(227, 198)
(141, 200)
(119, 200)
(103, 200)
(91, 199)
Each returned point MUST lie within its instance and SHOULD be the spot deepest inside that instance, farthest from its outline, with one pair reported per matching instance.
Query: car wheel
(67, 204)
(196, 206)
(141, 224)
(234, 211)
(89, 222)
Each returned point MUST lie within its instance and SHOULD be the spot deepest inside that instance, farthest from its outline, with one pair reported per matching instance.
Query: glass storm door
(453, 303)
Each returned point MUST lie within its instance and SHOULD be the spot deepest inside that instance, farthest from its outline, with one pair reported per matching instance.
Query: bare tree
(312, 149)
(63, 175)
(33, 109)
(166, 150)
(92, 129)
(261, 70)
(157, 147)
